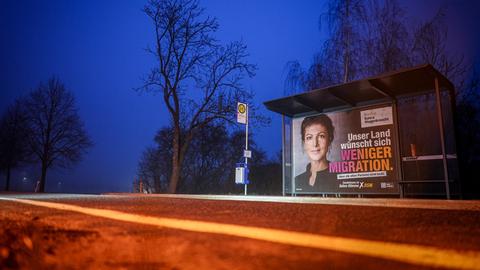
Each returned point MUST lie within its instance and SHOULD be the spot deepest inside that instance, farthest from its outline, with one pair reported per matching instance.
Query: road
(122, 231)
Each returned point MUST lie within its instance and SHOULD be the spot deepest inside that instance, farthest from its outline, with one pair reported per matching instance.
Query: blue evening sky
(97, 49)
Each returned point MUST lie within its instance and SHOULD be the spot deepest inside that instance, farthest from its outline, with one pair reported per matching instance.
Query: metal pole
(283, 155)
(246, 148)
(442, 139)
(398, 145)
(453, 109)
(290, 146)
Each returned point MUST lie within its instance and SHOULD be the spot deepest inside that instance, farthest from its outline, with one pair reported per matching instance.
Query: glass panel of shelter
(421, 149)
(420, 146)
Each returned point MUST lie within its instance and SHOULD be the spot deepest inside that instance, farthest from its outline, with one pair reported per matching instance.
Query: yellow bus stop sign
(242, 112)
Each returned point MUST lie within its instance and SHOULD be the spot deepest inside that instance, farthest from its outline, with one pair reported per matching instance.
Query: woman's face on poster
(316, 142)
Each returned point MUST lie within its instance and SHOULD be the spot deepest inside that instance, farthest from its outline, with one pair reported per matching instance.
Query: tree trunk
(41, 187)
(7, 185)
(157, 184)
(345, 70)
(174, 178)
(179, 152)
(176, 162)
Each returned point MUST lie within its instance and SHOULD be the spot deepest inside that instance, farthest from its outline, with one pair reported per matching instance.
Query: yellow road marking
(407, 253)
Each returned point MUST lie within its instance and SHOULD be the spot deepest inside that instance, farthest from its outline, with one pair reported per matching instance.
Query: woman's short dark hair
(321, 119)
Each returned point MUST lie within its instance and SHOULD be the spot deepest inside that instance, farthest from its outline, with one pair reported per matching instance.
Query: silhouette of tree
(346, 21)
(467, 121)
(149, 170)
(155, 164)
(209, 164)
(198, 78)
(430, 46)
(56, 134)
(370, 38)
(340, 59)
(13, 143)
(265, 174)
(387, 40)
(209, 161)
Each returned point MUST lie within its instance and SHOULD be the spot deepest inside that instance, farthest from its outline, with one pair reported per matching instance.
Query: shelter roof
(385, 87)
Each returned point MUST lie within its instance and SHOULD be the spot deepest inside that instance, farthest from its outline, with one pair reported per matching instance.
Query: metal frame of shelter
(382, 89)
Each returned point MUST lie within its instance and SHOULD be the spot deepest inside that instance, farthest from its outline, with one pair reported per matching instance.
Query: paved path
(236, 232)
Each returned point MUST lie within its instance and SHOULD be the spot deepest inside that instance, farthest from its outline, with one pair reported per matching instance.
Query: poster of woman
(317, 134)
(345, 152)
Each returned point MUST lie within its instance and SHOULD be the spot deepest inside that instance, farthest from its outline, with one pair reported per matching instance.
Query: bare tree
(317, 76)
(209, 164)
(346, 21)
(211, 159)
(152, 170)
(430, 46)
(199, 79)
(155, 165)
(56, 134)
(342, 55)
(468, 134)
(370, 38)
(13, 143)
(295, 79)
(388, 41)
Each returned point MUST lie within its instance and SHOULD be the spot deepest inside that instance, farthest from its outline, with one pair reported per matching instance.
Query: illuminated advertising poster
(345, 152)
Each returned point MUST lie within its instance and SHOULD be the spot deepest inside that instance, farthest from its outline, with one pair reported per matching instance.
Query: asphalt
(153, 234)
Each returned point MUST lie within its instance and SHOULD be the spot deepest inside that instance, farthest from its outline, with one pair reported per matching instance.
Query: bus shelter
(389, 135)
